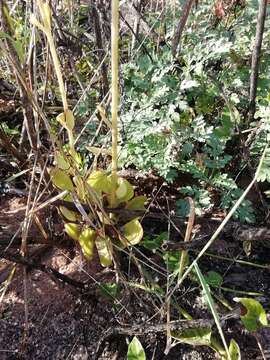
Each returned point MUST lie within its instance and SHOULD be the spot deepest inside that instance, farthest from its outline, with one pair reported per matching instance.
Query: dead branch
(256, 58)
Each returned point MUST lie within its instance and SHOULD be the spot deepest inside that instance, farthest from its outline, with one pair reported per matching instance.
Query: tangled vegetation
(144, 125)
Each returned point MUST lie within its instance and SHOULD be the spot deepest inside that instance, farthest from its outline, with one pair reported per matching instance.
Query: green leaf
(255, 317)
(87, 242)
(137, 203)
(103, 245)
(234, 350)
(98, 180)
(73, 230)
(61, 179)
(194, 336)
(61, 161)
(135, 350)
(124, 191)
(133, 232)
(68, 214)
(213, 279)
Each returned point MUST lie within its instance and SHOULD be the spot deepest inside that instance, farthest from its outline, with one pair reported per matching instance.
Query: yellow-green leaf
(61, 179)
(133, 232)
(61, 161)
(255, 316)
(124, 191)
(73, 230)
(234, 350)
(66, 119)
(194, 336)
(87, 242)
(68, 214)
(98, 180)
(136, 203)
(135, 350)
(103, 245)
(69, 117)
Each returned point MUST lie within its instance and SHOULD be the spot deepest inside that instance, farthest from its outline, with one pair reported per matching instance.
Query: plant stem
(115, 91)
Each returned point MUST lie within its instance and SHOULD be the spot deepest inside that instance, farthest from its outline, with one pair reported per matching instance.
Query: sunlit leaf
(73, 230)
(124, 190)
(87, 242)
(61, 179)
(133, 232)
(103, 245)
(194, 336)
(98, 180)
(137, 203)
(255, 316)
(66, 119)
(135, 350)
(69, 117)
(234, 350)
(68, 214)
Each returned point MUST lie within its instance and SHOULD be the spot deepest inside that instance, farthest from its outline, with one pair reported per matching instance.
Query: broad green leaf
(213, 279)
(133, 232)
(137, 203)
(68, 214)
(98, 180)
(194, 336)
(103, 245)
(135, 350)
(61, 161)
(234, 350)
(124, 191)
(87, 242)
(61, 179)
(73, 230)
(255, 316)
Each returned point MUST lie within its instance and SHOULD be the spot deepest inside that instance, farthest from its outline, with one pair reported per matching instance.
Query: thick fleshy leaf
(124, 191)
(73, 230)
(135, 350)
(68, 214)
(87, 242)
(137, 203)
(255, 316)
(98, 180)
(103, 245)
(234, 350)
(61, 179)
(133, 232)
(194, 336)
(61, 161)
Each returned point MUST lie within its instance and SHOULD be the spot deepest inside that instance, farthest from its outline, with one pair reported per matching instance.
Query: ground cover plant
(134, 172)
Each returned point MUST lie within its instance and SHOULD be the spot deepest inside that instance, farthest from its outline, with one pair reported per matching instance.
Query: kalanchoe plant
(99, 190)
